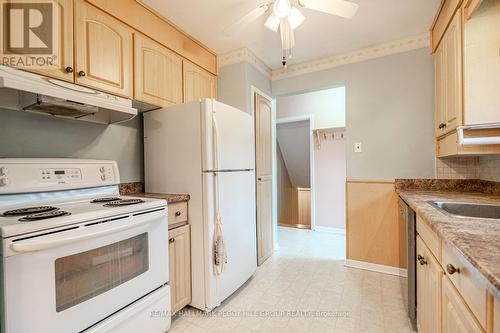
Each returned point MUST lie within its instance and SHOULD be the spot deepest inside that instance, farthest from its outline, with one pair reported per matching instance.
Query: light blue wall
(234, 85)
(389, 109)
(24, 134)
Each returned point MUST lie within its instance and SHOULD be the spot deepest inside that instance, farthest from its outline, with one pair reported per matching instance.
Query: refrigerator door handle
(216, 141)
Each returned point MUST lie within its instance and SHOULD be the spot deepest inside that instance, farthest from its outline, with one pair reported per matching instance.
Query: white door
(230, 131)
(264, 170)
(237, 209)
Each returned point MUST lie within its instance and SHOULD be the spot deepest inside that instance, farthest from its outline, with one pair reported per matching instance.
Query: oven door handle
(39, 245)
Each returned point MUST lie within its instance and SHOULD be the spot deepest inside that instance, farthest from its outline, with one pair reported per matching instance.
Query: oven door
(68, 280)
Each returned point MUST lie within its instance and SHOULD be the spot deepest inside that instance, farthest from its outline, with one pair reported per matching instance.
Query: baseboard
(376, 267)
(337, 231)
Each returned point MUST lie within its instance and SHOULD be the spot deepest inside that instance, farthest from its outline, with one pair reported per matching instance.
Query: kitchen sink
(464, 209)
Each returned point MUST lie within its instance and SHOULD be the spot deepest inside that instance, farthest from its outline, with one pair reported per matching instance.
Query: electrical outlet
(357, 147)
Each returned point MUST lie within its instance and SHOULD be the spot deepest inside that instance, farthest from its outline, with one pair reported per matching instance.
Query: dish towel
(220, 258)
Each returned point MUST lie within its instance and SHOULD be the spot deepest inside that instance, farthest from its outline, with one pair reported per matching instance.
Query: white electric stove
(77, 256)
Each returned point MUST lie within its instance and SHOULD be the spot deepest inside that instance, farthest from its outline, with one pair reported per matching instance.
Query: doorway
(295, 172)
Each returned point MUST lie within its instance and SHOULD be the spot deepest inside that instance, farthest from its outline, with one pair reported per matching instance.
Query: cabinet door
(62, 68)
(180, 266)
(103, 49)
(198, 83)
(157, 73)
(429, 276)
(456, 316)
(440, 90)
(453, 62)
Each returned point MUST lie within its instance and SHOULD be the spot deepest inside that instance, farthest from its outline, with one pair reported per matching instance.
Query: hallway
(307, 275)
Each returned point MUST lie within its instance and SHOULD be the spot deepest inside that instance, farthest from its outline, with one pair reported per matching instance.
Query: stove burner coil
(43, 216)
(125, 202)
(29, 211)
(106, 199)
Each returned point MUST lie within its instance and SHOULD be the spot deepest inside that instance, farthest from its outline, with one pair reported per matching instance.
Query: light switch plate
(357, 147)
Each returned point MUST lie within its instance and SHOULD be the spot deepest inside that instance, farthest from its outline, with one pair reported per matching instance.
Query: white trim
(310, 118)
(337, 231)
(244, 55)
(376, 267)
(363, 54)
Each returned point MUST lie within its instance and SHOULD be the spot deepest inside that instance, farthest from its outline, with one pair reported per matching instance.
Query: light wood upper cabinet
(180, 267)
(429, 276)
(103, 48)
(496, 316)
(456, 316)
(198, 83)
(448, 79)
(157, 73)
(63, 67)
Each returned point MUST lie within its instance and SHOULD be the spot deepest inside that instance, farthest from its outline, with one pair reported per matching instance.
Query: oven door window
(82, 276)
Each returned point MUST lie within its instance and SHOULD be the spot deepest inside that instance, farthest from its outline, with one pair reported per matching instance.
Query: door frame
(253, 91)
(310, 118)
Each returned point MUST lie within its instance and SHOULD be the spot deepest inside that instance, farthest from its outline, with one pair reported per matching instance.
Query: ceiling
(321, 35)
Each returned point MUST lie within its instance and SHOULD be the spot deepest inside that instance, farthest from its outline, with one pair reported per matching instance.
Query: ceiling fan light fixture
(281, 8)
(272, 22)
(295, 18)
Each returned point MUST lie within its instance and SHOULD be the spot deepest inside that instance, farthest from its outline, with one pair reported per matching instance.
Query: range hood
(40, 94)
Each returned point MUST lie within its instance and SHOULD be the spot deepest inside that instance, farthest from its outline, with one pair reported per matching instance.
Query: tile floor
(306, 274)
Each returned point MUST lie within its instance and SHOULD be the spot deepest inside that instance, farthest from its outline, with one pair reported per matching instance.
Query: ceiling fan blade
(247, 19)
(340, 8)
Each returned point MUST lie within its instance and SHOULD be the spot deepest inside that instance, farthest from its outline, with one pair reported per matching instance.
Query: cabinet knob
(177, 214)
(171, 240)
(421, 260)
(442, 125)
(452, 269)
(81, 73)
(69, 69)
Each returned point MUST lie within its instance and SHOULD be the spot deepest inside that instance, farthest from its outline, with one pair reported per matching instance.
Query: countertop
(478, 240)
(170, 198)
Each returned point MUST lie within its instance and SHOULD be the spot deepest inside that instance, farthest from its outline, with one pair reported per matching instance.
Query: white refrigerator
(187, 148)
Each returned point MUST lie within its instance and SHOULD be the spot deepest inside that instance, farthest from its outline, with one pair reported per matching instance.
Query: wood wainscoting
(372, 222)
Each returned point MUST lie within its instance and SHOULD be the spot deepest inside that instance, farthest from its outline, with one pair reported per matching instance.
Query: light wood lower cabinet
(157, 73)
(180, 266)
(429, 277)
(456, 316)
(103, 51)
(198, 83)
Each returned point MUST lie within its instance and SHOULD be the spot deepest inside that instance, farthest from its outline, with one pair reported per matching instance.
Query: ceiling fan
(286, 16)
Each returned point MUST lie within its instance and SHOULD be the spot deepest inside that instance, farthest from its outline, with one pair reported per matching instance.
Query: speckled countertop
(478, 240)
(170, 198)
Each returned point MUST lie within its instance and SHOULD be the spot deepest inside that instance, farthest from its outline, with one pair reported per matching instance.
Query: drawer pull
(171, 240)
(177, 214)
(452, 269)
(421, 260)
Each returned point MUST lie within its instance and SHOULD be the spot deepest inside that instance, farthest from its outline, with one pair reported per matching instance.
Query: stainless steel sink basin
(464, 209)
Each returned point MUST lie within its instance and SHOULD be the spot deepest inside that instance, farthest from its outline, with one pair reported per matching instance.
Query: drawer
(471, 290)
(177, 213)
(430, 238)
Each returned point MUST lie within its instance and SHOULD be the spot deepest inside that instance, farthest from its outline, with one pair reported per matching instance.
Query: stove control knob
(4, 181)
(103, 177)
(4, 171)
(102, 169)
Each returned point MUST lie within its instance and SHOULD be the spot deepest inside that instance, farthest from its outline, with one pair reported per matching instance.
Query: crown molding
(244, 55)
(373, 52)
